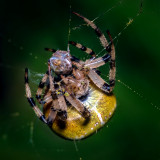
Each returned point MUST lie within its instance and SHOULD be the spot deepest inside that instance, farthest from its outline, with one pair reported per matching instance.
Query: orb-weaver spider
(77, 101)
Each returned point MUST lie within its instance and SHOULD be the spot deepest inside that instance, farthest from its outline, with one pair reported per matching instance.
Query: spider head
(61, 62)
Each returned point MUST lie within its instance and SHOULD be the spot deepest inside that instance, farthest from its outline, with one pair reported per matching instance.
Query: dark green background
(27, 27)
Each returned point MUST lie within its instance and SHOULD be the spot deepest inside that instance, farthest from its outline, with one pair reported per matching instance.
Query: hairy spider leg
(75, 102)
(95, 63)
(83, 48)
(58, 108)
(94, 76)
(31, 100)
(102, 60)
(93, 73)
(40, 88)
(112, 63)
(98, 32)
(50, 50)
(51, 79)
(97, 80)
(51, 116)
(62, 112)
(59, 103)
(79, 64)
(47, 98)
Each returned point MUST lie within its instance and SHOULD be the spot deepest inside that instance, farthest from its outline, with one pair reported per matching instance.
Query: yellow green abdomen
(101, 107)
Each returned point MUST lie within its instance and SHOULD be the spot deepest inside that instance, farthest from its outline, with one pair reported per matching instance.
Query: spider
(77, 101)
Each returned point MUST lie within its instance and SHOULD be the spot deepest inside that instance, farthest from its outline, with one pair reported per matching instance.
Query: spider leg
(112, 71)
(59, 103)
(40, 87)
(49, 49)
(99, 82)
(108, 47)
(51, 79)
(62, 109)
(58, 106)
(77, 62)
(101, 36)
(31, 100)
(95, 63)
(47, 98)
(101, 61)
(77, 104)
(83, 48)
(51, 116)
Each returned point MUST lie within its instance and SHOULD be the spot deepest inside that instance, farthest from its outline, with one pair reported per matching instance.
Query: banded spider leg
(95, 63)
(37, 111)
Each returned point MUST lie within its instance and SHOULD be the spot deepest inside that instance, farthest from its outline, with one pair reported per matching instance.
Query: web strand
(69, 27)
(127, 25)
(110, 9)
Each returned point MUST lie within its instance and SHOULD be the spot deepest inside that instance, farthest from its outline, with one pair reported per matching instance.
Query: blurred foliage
(27, 27)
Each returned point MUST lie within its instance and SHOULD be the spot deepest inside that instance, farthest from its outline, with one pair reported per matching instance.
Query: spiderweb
(24, 36)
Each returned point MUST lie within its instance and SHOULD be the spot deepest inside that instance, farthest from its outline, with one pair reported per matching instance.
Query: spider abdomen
(101, 108)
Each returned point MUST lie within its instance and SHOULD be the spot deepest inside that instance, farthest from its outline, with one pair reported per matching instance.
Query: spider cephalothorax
(61, 62)
(67, 80)
(77, 84)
